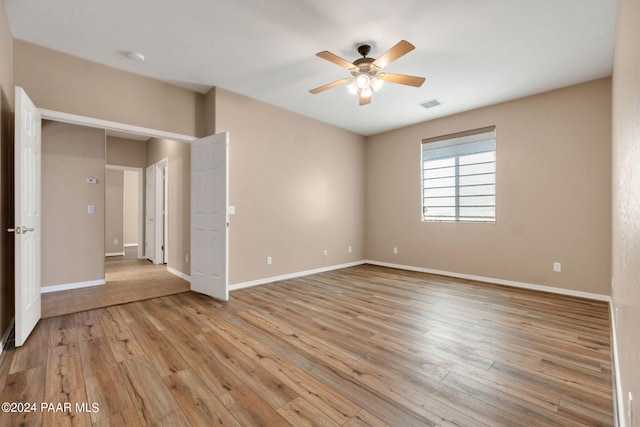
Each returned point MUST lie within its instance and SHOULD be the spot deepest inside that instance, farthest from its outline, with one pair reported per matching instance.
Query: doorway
(179, 255)
(124, 219)
(67, 296)
(157, 212)
(123, 211)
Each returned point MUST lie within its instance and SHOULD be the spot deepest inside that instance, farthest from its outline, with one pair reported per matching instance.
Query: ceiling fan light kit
(366, 76)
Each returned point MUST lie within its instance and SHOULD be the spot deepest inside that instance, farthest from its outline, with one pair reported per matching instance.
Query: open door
(209, 222)
(150, 212)
(165, 214)
(162, 210)
(28, 157)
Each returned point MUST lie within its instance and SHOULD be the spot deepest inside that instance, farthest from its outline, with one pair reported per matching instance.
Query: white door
(27, 215)
(150, 212)
(209, 222)
(165, 214)
(162, 213)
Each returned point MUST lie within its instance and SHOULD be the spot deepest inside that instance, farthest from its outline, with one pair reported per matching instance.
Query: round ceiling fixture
(135, 56)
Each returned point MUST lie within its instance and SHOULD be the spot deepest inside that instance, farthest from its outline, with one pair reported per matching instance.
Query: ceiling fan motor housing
(364, 50)
(363, 65)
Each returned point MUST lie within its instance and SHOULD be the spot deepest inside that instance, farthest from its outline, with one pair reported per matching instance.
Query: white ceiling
(473, 52)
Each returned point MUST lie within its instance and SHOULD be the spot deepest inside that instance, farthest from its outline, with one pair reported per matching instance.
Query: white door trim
(140, 172)
(59, 116)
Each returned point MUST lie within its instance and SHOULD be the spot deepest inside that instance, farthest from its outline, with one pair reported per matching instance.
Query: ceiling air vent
(431, 103)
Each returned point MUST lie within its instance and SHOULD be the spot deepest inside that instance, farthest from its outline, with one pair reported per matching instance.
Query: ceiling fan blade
(400, 49)
(325, 54)
(365, 101)
(403, 79)
(330, 85)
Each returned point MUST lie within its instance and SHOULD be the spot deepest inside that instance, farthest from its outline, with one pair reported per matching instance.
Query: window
(459, 177)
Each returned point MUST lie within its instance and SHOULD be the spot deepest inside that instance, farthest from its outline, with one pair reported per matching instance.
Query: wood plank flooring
(128, 279)
(361, 346)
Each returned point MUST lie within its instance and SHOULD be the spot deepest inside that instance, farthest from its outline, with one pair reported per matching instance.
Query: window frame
(456, 219)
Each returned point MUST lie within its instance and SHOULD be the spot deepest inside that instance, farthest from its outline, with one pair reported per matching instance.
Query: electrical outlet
(349, 249)
(557, 267)
(325, 253)
(269, 260)
(395, 250)
(115, 241)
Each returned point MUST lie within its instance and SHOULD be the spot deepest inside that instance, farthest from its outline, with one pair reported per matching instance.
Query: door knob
(20, 230)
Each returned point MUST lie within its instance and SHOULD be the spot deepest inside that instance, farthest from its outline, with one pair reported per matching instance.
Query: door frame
(108, 125)
(59, 116)
(139, 171)
(138, 130)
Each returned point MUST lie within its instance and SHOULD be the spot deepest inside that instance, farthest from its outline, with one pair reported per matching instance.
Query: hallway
(128, 279)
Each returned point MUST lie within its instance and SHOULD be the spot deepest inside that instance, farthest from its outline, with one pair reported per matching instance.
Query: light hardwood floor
(360, 346)
(128, 279)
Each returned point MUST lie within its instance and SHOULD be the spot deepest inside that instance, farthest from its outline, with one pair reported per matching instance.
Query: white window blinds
(459, 177)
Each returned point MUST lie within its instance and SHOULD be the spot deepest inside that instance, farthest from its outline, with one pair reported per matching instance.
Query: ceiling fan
(366, 77)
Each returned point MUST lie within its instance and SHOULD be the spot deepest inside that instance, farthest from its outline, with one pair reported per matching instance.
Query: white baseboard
(551, 289)
(68, 286)
(180, 274)
(114, 254)
(130, 245)
(266, 280)
(617, 393)
(560, 291)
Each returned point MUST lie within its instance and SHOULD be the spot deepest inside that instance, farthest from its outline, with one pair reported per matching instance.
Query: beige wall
(62, 82)
(553, 191)
(179, 157)
(72, 239)
(297, 186)
(131, 207)
(126, 152)
(114, 212)
(209, 114)
(626, 209)
(7, 307)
